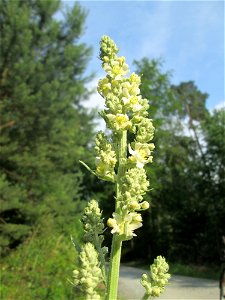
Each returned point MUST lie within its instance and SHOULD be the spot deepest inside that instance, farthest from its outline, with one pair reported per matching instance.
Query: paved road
(181, 287)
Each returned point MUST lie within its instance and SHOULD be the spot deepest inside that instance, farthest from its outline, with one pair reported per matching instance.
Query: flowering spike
(155, 282)
(94, 228)
(126, 110)
(106, 158)
(121, 159)
(89, 275)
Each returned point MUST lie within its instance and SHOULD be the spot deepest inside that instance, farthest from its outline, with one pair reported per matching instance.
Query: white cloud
(220, 105)
(95, 101)
(156, 30)
(180, 33)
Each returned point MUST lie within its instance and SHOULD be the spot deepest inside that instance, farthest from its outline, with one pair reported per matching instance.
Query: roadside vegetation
(45, 131)
(207, 272)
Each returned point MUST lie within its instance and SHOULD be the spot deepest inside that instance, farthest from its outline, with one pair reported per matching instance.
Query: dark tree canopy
(187, 210)
(44, 128)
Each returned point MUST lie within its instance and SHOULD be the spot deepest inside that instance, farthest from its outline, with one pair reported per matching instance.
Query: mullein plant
(120, 161)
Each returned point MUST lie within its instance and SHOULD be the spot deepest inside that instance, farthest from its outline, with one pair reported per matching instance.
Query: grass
(41, 267)
(207, 272)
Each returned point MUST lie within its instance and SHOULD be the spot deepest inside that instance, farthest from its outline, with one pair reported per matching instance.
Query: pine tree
(44, 128)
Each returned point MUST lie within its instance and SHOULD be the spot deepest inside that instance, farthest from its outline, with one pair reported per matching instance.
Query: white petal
(137, 107)
(132, 152)
(125, 100)
(97, 160)
(140, 165)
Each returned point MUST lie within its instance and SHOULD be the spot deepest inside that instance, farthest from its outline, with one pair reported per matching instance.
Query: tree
(187, 175)
(45, 129)
(212, 187)
(199, 222)
(192, 107)
(156, 87)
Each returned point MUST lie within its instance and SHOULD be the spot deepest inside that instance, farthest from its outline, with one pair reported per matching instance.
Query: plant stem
(114, 268)
(101, 257)
(145, 297)
(113, 276)
(122, 156)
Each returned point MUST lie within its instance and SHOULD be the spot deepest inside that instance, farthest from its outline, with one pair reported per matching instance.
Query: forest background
(46, 129)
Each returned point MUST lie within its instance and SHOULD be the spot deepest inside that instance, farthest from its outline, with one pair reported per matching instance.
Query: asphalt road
(180, 287)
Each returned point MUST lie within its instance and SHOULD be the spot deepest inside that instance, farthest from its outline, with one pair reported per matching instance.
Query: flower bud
(156, 291)
(137, 218)
(89, 275)
(145, 205)
(134, 205)
(111, 222)
(158, 277)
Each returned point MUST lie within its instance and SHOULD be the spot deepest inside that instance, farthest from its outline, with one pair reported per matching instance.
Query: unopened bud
(145, 205)
(137, 218)
(111, 222)
(134, 205)
(156, 291)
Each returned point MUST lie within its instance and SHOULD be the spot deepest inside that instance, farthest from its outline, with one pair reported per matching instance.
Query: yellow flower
(102, 168)
(129, 95)
(141, 154)
(112, 223)
(137, 218)
(125, 225)
(156, 291)
(134, 78)
(134, 205)
(116, 68)
(104, 87)
(119, 121)
(145, 205)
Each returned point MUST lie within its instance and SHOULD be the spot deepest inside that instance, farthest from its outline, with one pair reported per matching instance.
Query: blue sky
(188, 35)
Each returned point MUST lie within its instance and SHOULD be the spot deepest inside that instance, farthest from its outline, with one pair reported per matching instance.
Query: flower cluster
(92, 220)
(121, 159)
(106, 158)
(125, 224)
(94, 228)
(155, 282)
(141, 153)
(135, 185)
(89, 275)
(125, 110)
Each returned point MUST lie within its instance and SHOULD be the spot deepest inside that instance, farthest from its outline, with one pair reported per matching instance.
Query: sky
(187, 35)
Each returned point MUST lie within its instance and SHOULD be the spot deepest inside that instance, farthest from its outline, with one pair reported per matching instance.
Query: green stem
(114, 268)
(145, 297)
(101, 256)
(113, 276)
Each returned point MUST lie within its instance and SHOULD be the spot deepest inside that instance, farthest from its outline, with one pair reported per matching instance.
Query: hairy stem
(113, 276)
(114, 268)
(101, 257)
(145, 297)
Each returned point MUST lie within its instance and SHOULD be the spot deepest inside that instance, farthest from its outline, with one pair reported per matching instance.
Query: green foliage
(156, 83)
(213, 130)
(45, 129)
(210, 272)
(195, 199)
(41, 267)
(187, 176)
(177, 268)
(192, 101)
